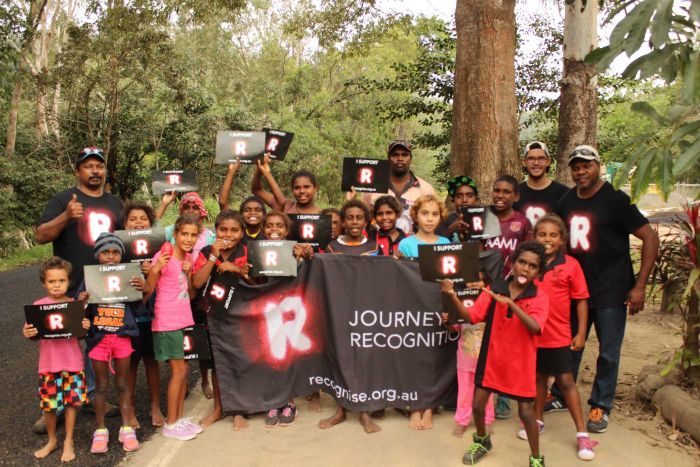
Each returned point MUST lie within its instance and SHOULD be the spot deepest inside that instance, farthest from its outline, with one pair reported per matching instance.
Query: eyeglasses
(584, 152)
(537, 159)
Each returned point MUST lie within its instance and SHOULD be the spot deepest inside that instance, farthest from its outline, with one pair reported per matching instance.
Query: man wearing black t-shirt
(539, 194)
(74, 218)
(600, 220)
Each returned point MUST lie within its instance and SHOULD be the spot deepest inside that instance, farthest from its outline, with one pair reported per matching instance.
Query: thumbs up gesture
(74, 210)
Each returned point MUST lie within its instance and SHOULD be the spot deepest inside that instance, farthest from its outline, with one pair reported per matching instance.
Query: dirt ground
(637, 435)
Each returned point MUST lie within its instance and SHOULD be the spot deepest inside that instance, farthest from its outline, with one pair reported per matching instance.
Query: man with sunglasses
(539, 194)
(600, 220)
(403, 184)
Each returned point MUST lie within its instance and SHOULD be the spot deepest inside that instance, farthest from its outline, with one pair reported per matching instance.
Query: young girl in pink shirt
(61, 377)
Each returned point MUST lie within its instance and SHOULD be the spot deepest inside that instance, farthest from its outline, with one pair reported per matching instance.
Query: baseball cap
(536, 145)
(89, 152)
(399, 143)
(585, 153)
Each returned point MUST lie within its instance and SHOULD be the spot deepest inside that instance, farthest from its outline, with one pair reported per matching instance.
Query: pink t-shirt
(172, 310)
(56, 355)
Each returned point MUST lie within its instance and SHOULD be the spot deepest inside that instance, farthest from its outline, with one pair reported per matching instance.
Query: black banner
(163, 181)
(112, 283)
(57, 320)
(141, 245)
(248, 146)
(272, 258)
(314, 229)
(277, 143)
(334, 328)
(365, 175)
(458, 262)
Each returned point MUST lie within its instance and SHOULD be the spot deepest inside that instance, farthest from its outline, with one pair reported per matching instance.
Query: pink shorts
(111, 347)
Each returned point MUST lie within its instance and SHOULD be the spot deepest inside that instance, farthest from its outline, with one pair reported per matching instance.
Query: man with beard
(539, 194)
(72, 220)
(403, 184)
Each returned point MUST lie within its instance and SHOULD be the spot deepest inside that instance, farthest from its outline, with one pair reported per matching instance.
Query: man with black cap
(600, 220)
(74, 218)
(404, 185)
(539, 194)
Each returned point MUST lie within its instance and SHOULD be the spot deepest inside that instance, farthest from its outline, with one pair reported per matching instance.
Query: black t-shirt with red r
(536, 203)
(76, 241)
(599, 230)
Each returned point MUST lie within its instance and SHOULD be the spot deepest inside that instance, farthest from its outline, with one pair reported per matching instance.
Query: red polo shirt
(563, 281)
(508, 356)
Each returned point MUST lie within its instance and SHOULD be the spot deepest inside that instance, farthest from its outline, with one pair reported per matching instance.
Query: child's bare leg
(567, 385)
(239, 423)
(481, 398)
(206, 387)
(101, 381)
(68, 451)
(52, 443)
(368, 424)
(541, 382)
(380, 414)
(176, 386)
(414, 420)
(426, 420)
(315, 402)
(216, 414)
(121, 368)
(153, 380)
(132, 421)
(526, 413)
(338, 417)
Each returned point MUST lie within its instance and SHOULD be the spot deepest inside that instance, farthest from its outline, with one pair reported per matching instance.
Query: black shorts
(555, 361)
(143, 343)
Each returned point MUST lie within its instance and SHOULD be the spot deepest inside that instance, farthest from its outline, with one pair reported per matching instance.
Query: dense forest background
(151, 82)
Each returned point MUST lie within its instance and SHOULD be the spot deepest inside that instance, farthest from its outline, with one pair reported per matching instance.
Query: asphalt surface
(20, 404)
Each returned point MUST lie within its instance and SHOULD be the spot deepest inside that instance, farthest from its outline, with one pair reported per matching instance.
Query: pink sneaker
(178, 430)
(585, 448)
(100, 440)
(195, 428)
(127, 436)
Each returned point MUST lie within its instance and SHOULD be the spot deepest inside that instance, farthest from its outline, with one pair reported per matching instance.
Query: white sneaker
(178, 430)
(522, 434)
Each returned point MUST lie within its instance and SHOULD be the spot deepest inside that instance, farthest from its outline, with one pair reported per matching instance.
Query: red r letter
(449, 264)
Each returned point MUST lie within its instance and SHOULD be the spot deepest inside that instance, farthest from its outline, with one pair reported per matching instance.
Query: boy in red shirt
(515, 313)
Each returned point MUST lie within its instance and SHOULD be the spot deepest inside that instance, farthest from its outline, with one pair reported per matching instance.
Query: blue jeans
(609, 325)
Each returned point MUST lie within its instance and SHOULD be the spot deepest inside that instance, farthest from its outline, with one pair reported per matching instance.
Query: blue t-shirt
(409, 245)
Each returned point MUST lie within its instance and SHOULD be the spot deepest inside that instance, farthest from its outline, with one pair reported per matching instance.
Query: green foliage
(670, 149)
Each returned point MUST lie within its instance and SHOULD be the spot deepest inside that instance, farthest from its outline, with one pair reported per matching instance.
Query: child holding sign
(427, 212)
(61, 377)
(515, 311)
(140, 216)
(171, 279)
(304, 188)
(563, 281)
(226, 255)
(252, 208)
(112, 327)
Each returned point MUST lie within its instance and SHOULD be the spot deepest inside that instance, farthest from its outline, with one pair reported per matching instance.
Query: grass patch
(25, 257)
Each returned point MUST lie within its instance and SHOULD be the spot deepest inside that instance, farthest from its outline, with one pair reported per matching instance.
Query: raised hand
(74, 209)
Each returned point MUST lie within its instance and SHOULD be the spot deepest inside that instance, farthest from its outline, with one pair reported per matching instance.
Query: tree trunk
(484, 112)
(11, 138)
(577, 105)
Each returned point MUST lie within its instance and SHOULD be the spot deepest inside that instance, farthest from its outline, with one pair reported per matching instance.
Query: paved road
(20, 408)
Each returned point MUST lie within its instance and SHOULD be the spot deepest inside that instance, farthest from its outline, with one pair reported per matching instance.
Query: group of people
(560, 265)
